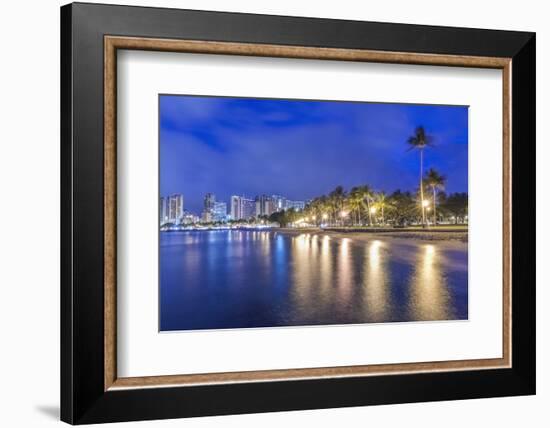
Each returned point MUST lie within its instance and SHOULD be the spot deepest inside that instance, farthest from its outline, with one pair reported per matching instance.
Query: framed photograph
(265, 213)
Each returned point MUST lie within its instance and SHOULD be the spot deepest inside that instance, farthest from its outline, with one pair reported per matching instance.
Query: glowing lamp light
(373, 210)
(343, 214)
(425, 203)
(325, 216)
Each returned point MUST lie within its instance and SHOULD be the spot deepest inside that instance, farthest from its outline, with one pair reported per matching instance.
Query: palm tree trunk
(422, 188)
(370, 214)
(435, 216)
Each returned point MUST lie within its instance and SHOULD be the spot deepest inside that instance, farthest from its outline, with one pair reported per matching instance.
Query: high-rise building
(296, 205)
(265, 205)
(175, 208)
(219, 211)
(235, 207)
(189, 218)
(209, 201)
(208, 207)
(171, 209)
(206, 216)
(164, 209)
(280, 202)
(248, 208)
(242, 208)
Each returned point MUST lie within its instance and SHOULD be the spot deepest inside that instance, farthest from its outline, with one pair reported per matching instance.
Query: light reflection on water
(237, 279)
(429, 295)
(377, 300)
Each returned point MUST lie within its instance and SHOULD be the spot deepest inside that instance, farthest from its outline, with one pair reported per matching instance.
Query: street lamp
(343, 214)
(373, 210)
(325, 216)
(425, 203)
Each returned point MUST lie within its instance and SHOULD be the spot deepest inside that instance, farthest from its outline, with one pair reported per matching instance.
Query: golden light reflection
(429, 297)
(334, 276)
(314, 247)
(325, 244)
(374, 254)
(375, 281)
(344, 248)
(301, 269)
(344, 271)
(325, 264)
(265, 239)
(430, 251)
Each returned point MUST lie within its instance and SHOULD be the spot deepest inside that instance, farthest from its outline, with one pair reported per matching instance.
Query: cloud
(299, 149)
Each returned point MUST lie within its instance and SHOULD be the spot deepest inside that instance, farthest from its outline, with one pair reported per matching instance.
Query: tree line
(362, 206)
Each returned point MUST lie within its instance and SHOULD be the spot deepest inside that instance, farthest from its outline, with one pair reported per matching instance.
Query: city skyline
(239, 207)
(301, 148)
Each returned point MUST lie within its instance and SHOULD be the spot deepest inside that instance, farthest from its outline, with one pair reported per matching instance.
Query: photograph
(283, 212)
(278, 210)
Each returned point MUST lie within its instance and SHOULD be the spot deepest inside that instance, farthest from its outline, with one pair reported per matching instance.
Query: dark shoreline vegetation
(363, 207)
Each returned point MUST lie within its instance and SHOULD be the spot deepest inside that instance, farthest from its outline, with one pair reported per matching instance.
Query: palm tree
(436, 182)
(381, 202)
(316, 207)
(366, 194)
(336, 198)
(355, 202)
(324, 207)
(420, 140)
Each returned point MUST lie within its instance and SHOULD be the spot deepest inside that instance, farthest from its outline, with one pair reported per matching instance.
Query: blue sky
(302, 149)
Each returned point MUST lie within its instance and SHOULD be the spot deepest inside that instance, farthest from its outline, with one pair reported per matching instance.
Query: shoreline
(416, 234)
(441, 234)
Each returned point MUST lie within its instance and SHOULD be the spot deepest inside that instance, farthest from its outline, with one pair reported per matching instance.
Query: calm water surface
(237, 279)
